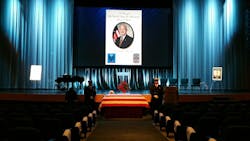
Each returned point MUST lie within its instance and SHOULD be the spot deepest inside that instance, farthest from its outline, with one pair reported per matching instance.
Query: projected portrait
(123, 35)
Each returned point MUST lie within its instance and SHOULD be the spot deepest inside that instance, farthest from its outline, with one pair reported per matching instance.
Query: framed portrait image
(123, 35)
(217, 74)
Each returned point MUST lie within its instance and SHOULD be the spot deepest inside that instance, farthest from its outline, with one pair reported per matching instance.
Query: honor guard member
(90, 93)
(156, 92)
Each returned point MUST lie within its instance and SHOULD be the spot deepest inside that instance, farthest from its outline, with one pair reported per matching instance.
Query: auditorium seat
(62, 138)
(156, 116)
(194, 137)
(20, 122)
(208, 127)
(15, 115)
(181, 133)
(49, 118)
(247, 117)
(75, 134)
(184, 83)
(66, 118)
(169, 126)
(3, 128)
(24, 134)
(190, 118)
(218, 115)
(233, 120)
(196, 83)
(94, 117)
(41, 115)
(84, 124)
(90, 121)
(77, 114)
(173, 82)
(50, 127)
(162, 121)
(236, 133)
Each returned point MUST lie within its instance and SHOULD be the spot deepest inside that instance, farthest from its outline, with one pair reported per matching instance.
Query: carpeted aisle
(125, 130)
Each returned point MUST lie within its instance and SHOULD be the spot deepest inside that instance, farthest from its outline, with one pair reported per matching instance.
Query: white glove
(156, 96)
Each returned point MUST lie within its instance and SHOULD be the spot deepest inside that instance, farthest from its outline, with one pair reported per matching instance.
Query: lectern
(171, 95)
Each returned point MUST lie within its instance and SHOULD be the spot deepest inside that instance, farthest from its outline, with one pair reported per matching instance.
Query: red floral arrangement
(123, 86)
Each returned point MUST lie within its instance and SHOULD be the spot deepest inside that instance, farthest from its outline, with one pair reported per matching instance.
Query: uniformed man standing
(156, 92)
(90, 93)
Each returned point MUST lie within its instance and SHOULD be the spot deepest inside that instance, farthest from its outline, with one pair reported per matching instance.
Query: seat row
(43, 121)
(205, 121)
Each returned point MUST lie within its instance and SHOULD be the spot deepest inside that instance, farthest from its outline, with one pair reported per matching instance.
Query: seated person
(71, 95)
(111, 92)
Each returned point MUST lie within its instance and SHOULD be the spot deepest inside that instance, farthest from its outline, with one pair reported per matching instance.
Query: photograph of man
(124, 37)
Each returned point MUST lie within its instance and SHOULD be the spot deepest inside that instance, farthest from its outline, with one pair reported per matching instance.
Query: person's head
(111, 92)
(156, 83)
(122, 29)
(90, 82)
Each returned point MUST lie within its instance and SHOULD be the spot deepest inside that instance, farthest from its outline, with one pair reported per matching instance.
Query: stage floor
(81, 92)
(55, 91)
(52, 95)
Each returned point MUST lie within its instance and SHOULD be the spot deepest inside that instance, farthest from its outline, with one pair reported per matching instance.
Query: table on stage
(123, 105)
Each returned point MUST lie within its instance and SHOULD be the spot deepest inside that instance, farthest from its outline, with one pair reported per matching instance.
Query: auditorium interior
(197, 51)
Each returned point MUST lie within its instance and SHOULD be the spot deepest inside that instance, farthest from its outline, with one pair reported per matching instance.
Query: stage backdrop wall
(210, 33)
(206, 33)
(139, 78)
(35, 32)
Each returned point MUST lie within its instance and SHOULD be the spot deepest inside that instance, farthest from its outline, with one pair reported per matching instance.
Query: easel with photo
(216, 77)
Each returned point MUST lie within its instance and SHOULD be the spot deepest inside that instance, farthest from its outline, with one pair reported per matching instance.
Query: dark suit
(70, 95)
(125, 43)
(156, 102)
(89, 95)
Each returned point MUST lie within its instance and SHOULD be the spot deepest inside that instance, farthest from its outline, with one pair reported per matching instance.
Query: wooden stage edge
(61, 97)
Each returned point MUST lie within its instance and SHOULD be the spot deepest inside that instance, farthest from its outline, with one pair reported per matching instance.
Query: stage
(53, 95)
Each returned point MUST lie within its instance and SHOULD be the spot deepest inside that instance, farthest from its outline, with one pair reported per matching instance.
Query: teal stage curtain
(35, 32)
(206, 33)
(210, 33)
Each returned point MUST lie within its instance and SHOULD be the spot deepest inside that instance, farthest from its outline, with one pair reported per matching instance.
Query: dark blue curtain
(35, 32)
(139, 78)
(210, 33)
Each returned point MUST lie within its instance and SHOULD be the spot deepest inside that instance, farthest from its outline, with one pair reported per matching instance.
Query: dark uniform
(90, 93)
(71, 96)
(156, 102)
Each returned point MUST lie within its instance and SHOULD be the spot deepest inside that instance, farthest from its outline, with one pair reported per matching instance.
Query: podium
(171, 95)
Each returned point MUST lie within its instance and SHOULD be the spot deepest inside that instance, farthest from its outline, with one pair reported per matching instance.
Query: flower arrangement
(123, 86)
